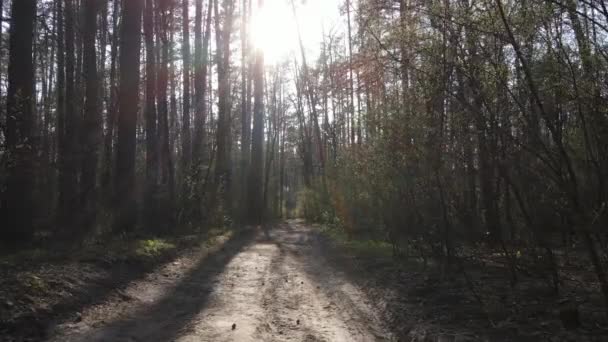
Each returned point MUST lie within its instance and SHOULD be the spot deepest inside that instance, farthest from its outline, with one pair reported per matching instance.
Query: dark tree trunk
(351, 78)
(256, 168)
(62, 180)
(92, 120)
(202, 72)
(106, 180)
(164, 11)
(199, 83)
(246, 63)
(186, 141)
(282, 167)
(69, 169)
(172, 119)
(223, 169)
(128, 96)
(19, 202)
(47, 66)
(150, 204)
(2, 55)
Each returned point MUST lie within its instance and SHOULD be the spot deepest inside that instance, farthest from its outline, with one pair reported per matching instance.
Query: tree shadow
(80, 283)
(165, 319)
(331, 267)
(426, 303)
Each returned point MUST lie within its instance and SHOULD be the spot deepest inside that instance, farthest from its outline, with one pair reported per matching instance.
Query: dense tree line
(464, 122)
(434, 125)
(112, 123)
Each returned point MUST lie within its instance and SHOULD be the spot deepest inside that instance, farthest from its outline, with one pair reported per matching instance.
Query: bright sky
(275, 28)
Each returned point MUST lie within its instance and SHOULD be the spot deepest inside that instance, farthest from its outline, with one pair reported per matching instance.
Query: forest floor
(291, 282)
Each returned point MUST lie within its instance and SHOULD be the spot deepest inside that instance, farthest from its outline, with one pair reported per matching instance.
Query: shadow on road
(80, 283)
(376, 288)
(166, 318)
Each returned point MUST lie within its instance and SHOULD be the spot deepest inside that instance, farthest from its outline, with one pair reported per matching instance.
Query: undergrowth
(363, 247)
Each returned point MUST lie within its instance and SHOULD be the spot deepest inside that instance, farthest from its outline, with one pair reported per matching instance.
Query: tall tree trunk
(271, 141)
(206, 86)
(92, 121)
(245, 102)
(199, 84)
(103, 38)
(186, 140)
(222, 168)
(150, 196)
(164, 11)
(2, 56)
(19, 201)
(351, 78)
(282, 166)
(47, 143)
(256, 168)
(404, 19)
(62, 180)
(106, 178)
(128, 99)
(69, 193)
(174, 130)
(79, 98)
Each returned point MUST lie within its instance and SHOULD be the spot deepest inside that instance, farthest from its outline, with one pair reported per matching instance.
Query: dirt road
(271, 285)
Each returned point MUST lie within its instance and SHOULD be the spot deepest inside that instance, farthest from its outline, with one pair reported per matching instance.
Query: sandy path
(276, 286)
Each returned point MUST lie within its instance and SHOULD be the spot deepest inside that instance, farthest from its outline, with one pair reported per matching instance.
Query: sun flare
(274, 30)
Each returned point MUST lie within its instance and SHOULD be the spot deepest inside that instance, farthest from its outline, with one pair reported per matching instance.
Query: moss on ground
(151, 248)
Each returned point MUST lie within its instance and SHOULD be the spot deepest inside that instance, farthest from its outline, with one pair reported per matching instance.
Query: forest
(310, 170)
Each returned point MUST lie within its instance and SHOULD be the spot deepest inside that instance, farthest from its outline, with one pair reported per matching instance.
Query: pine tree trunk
(128, 95)
(256, 168)
(164, 11)
(19, 202)
(351, 78)
(150, 196)
(2, 57)
(223, 167)
(106, 178)
(186, 140)
(62, 180)
(69, 193)
(245, 105)
(92, 121)
(199, 84)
